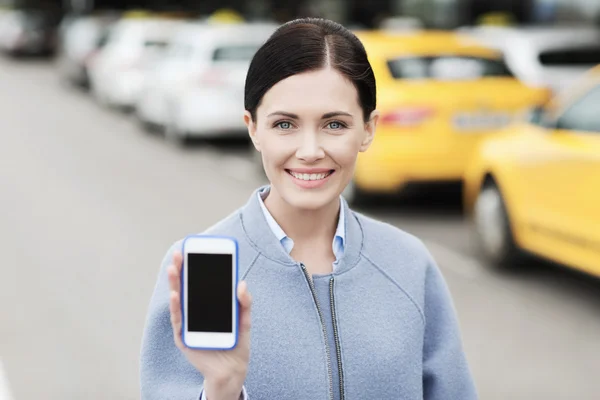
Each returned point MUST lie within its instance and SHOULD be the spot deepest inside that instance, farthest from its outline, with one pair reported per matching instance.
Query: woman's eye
(284, 125)
(335, 125)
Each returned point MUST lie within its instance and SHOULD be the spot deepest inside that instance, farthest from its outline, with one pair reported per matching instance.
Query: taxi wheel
(492, 228)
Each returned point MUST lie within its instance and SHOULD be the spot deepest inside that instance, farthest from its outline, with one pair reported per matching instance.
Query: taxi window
(453, 68)
(571, 57)
(583, 114)
(235, 53)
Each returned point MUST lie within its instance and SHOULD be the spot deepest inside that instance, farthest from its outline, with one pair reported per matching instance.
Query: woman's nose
(310, 150)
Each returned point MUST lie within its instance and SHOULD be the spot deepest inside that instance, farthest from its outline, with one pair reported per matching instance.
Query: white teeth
(309, 177)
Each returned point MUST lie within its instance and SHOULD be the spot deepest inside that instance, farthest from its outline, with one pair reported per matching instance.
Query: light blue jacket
(382, 326)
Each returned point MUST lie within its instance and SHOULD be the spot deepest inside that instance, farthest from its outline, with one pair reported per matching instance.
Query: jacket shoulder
(399, 255)
(228, 226)
(384, 242)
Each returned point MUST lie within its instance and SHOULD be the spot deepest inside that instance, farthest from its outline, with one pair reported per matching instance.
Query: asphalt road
(89, 204)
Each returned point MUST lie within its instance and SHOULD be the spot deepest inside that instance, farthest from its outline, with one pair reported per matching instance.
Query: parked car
(80, 38)
(535, 188)
(134, 45)
(552, 57)
(439, 95)
(29, 31)
(198, 90)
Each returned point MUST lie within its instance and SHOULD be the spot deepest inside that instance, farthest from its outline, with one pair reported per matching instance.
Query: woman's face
(309, 129)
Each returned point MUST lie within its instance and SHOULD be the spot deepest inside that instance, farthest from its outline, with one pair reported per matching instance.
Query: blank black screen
(210, 292)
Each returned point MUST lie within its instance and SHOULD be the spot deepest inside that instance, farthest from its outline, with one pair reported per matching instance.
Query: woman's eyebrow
(283, 114)
(325, 116)
(336, 114)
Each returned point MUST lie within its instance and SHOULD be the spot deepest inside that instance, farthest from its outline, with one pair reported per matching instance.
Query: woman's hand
(224, 371)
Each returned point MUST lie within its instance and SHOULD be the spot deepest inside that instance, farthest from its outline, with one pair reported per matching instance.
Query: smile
(310, 177)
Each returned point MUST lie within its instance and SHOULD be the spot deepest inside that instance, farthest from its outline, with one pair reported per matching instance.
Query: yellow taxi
(535, 188)
(439, 94)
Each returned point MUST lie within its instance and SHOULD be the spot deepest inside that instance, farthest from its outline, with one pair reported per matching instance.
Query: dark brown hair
(309, 44)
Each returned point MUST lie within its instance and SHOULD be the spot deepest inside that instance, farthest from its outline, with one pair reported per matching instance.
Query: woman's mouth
(310, 180)
(311, 176)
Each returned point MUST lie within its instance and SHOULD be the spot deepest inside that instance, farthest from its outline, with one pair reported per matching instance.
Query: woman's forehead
(316, 91)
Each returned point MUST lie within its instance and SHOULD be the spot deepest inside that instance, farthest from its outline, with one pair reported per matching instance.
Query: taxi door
(578, 131)
(563, 181)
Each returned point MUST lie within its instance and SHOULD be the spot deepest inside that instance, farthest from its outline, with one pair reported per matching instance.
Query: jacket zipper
(323, 327)
(336, 339)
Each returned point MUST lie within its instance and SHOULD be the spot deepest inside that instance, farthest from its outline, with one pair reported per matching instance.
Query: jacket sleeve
(164, 371)
(446, 374)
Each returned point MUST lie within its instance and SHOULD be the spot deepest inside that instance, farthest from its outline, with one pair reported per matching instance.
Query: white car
(117, 73)
(80, 38)
(552, 57)
(198, 90)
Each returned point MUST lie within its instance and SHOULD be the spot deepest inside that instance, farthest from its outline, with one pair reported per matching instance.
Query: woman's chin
(310, 199)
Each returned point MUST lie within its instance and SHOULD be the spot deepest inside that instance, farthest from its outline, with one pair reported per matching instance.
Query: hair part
(305, 45)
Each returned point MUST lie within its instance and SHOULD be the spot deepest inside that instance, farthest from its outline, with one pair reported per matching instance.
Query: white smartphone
(209, 282)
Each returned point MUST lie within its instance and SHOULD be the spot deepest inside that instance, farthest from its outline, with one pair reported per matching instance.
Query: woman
(344, 307)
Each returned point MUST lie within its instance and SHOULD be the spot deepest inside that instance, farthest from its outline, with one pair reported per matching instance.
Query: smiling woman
(309, 124)
(345, 307)
(315, 115)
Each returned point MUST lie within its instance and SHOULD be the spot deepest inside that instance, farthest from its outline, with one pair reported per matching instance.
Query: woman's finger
(177, 260)
(245, 300)
(174, 279)
(174, 272)
(243, 295)
(175, 310)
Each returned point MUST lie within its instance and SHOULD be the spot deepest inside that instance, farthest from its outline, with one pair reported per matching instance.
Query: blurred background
(121, 132)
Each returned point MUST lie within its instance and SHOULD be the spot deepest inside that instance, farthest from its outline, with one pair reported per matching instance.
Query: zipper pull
(306, 274)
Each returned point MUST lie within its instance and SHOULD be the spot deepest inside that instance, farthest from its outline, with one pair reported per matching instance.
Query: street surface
(89, 204)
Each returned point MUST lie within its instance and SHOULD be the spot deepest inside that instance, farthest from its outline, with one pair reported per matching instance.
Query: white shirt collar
(339, 238)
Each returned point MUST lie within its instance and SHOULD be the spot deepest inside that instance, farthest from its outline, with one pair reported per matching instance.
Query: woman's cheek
(277, 150)
(343, 151)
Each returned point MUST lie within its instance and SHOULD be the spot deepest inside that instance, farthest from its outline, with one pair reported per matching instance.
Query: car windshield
(573, 56)
(447, 68)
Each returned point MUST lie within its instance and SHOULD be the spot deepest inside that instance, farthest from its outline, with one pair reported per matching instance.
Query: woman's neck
(304, 226)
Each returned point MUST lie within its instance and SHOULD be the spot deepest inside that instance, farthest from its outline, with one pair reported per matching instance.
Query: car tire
(493, 230)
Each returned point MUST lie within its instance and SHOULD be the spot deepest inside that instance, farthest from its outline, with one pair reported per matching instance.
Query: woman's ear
(251, 125)
(370, 128)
